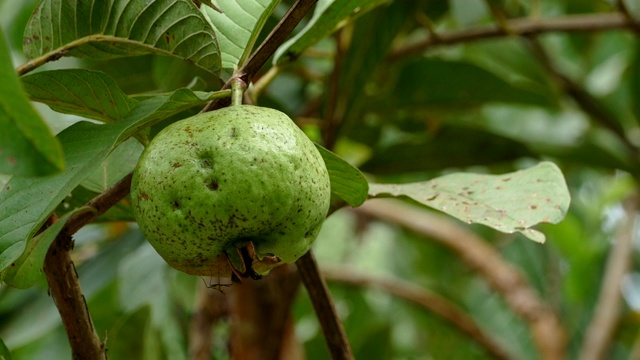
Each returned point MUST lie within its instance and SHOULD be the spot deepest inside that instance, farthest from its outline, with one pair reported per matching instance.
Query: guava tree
(260, 146)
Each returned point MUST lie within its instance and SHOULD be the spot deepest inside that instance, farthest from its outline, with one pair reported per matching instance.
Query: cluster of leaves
(487, 106)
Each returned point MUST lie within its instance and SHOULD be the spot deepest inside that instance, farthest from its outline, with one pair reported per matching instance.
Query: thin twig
(424, 299)
(624, 9)
(523, 26)
(547, 330)
(332, 328)
(270, 44)
(587, 102)
(334, 105)
(101, 203)
(607, 311)
(500, 17)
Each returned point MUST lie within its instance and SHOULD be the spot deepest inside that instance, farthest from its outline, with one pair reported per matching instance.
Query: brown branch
(332, 328)
(100, 203)
(276, 37)
(607, 311)
(260, 315)
(424, 299)
(65, 290)
(522, 27)
(547, 330)
(64, 284)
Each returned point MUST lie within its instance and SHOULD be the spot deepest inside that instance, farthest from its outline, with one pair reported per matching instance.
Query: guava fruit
(231, 192)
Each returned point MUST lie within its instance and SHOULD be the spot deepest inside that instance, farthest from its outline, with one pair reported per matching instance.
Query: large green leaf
(86, 93)
(25, 271)
(119, 163)
(371, 38)
(5, 354)
(448, 84)
(509, 203)
(347, 182)
(27, 146)
(238, 24)
(327, 17)
(116, 28)
(86, 146)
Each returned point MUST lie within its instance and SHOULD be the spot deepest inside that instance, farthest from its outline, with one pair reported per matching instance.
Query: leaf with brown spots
(509, 203)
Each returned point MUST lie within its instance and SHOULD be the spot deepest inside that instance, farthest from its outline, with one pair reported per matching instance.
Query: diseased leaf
(27, 146)
(86, 93)
(130, 28)
(86, 146)
(327, 17)
(347, 182)
(508, 203)
(238, 24)
(25, 271)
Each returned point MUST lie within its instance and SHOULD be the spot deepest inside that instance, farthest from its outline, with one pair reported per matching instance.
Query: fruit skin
(218, 180)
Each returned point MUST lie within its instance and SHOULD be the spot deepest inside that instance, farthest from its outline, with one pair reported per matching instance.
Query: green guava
(235, 191)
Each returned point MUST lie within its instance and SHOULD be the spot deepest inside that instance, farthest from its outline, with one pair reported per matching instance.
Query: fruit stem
(237, 91)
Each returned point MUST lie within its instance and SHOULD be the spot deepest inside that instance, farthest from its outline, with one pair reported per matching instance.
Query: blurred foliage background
(405, 108)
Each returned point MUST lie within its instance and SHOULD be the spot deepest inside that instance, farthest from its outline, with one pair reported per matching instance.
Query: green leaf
(238, 24)
(27, 269)
(118, 164)
(448, 84)
(5, 354)
(449, 146)
(86, 93)
(347, 182)
(371, 39)
(117, 28)
(508, 203)
(634, 75)
(27, 146)
(86, 146)
(327, 17)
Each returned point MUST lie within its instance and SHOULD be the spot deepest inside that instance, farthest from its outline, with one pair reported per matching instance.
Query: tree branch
(260, 316)
(271, 43)
(521, 27)
(547, 330)
(607, 311)
(65, 290)
(332, 328)
(62, 277)
(424, 299)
